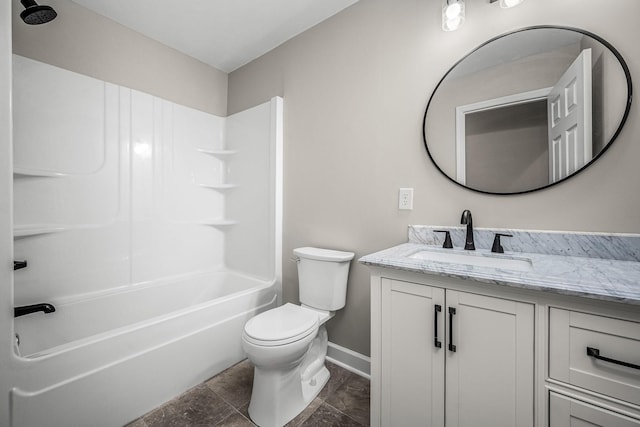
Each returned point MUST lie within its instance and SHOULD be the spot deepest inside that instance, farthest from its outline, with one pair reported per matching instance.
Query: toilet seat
(281, 325)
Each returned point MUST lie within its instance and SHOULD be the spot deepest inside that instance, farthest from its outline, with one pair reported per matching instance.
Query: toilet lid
(282, 325)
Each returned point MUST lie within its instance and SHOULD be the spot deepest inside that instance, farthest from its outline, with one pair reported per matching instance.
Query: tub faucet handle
(497, 247)
(447, 238)
(34, 308)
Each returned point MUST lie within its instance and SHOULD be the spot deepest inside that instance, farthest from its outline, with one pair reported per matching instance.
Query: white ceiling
(223, 33)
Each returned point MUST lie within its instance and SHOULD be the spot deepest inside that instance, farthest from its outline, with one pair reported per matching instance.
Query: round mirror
(527, 110)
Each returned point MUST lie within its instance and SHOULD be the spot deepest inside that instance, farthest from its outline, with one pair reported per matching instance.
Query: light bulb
(452, 24)
(452, 11)
(452, 14)
(509, 3)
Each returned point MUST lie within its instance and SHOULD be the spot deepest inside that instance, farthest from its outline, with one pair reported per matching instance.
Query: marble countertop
(599, 278)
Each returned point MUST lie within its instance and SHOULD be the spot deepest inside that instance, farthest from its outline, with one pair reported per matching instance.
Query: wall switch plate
(405, 199)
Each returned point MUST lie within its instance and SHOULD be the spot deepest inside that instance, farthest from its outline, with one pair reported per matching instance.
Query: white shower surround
(154, 229)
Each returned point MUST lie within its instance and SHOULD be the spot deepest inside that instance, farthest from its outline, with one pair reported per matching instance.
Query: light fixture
(505, 4)
(452, 14)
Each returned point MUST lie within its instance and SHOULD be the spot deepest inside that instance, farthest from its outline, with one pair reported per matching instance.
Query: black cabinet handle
(438, 309)
(595, 353)
(452, 312)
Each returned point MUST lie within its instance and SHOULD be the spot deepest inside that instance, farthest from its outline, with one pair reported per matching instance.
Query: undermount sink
(475, 259)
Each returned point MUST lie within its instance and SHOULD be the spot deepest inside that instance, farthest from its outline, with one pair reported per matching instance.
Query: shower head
(36, 14)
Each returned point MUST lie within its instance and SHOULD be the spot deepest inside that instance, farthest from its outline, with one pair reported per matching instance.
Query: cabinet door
(567, 412)
(412, 365)
(490, 371)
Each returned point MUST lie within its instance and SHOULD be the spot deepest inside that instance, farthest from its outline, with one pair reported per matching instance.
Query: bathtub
(106, 359)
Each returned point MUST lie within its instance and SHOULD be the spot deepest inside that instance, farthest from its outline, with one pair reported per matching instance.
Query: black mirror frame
(606, 44)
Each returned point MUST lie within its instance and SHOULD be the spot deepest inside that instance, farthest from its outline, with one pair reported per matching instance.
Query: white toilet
(288, 344)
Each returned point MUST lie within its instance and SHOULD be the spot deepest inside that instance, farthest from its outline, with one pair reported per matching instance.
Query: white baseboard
(350, 360)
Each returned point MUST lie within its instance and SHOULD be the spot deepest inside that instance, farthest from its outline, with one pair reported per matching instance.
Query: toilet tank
(322, 277)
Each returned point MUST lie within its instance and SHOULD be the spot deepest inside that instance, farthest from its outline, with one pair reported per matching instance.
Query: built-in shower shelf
(217, 153)
(18, 172)
(37, 229)
(218, 222)
(219, 187)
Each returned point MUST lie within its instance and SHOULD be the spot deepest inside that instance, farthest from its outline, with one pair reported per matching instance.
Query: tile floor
(224, 401)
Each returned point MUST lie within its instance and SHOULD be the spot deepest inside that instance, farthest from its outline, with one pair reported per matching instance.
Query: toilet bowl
(288, 344)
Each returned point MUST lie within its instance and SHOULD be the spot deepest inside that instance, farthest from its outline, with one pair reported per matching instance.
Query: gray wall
(355, 88)
(85, 42)
(506, 148)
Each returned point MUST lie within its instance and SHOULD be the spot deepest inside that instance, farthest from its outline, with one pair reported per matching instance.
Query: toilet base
(277, 412)
(311, 388)
(278, 395)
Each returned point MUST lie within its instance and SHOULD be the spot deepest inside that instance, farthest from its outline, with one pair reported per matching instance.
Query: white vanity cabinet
(452, 352)
(545, 336)
(450, 357)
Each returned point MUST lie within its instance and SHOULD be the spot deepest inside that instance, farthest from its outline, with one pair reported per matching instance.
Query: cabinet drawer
(572, 333)
(565, 412)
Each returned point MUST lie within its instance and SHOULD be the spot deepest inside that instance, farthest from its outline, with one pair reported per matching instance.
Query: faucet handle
(447, 239)
(497, 247)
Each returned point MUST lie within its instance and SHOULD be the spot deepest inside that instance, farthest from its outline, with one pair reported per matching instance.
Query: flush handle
(17, 265)
(436, 341)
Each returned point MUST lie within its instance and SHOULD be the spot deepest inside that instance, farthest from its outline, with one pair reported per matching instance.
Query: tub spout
(28, 309)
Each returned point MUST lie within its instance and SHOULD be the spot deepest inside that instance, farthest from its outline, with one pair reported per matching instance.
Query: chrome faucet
(468, 220)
